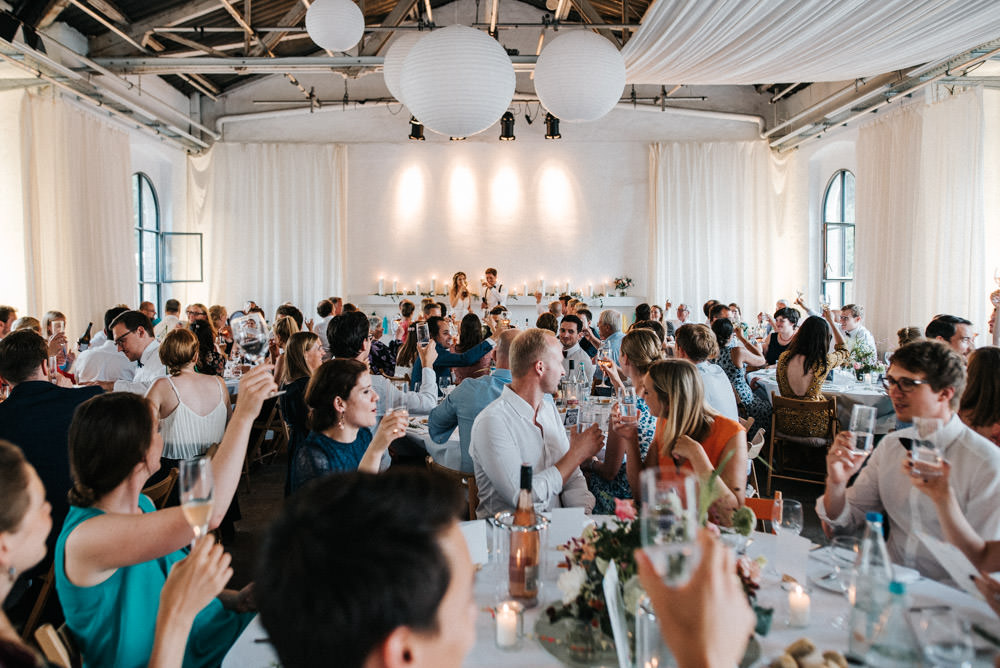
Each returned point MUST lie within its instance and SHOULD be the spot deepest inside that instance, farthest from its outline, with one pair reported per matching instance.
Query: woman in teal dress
(115, 550)
(608, 480)
(734, 361)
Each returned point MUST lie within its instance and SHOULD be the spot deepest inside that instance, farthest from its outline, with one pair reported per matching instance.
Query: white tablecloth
(826, 606)
(848, 393)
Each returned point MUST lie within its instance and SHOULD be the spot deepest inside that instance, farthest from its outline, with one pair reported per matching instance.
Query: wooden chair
(262, 449)
(754, 448)
(48, 582)
(789, 436)
(159, 492)
(466, 481)
(766, 511)
(58, 646)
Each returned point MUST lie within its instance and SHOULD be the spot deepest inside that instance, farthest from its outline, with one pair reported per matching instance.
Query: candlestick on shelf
(567, 288)
(542, 286)
(590, 289)
(524, 289)
(433, 283)
(381, 285)
(798, 607)
(394, 286)
(418, 287)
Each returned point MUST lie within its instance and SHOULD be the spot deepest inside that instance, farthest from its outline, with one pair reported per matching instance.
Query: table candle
(418, 287)
(524, 289)
(394, 286)
(566, 291)
(508, 618)
(381, 285)
(798, 607)
(590, 289)
(433, 283)
(542, 288)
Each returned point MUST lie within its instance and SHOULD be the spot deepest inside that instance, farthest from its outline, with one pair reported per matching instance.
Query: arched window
(147, 238)
(838, 240)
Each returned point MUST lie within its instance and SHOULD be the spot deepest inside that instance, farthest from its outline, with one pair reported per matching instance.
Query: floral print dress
(606, 491)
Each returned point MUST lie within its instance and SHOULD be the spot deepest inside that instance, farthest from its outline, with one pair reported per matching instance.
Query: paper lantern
(579, 76)
(336, 25)
(392, 66)
(457, 81)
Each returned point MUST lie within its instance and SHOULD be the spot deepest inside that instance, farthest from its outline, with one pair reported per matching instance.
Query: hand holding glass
(669, 523)
(926, 454)
(628, 409)
(197, 491)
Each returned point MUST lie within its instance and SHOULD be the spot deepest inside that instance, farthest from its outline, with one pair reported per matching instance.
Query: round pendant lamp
(392, 66)
(336, 25)
(579, 76)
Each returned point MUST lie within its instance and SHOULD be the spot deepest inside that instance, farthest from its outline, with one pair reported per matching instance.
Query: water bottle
(869, 588)
(895, 643)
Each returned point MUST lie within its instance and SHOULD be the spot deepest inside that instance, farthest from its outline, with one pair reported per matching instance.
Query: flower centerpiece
(622, 284)
(863, 359)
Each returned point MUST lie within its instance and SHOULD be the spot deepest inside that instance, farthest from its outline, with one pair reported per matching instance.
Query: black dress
(774, 349)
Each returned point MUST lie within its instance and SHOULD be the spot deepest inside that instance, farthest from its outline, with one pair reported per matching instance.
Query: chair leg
(770, 465)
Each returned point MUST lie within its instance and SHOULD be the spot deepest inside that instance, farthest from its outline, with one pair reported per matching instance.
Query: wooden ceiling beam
(591, 15)
(193, 44)
(290, 19)
(394, 18)
(110, 44)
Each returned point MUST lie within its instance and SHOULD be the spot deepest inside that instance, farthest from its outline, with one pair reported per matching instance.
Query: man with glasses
(855, 333)
(953, 331)
(924, 380)
(133, 335)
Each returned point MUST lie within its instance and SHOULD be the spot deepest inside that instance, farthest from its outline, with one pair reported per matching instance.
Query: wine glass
(197, 491)
(862, 427)
(669, 521)
(251, 334)
(843, 554)
(945, 637)
(790, 520)
(604, 360)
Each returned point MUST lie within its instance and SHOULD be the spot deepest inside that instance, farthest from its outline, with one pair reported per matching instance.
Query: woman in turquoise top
(115, 550)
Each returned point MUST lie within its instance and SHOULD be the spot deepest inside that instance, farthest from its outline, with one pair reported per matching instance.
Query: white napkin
(952, 560)
(475, 539)
(791, 555)
(565, 523)
(616, 612)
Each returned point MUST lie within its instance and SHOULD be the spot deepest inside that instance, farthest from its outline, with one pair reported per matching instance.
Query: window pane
(848, 198)
(849, 252)
(138, 260)
(150, 292)
(834, 251)
(150, 242)
(848, 292)
(135, 200)
(150, 215)
(831, 205)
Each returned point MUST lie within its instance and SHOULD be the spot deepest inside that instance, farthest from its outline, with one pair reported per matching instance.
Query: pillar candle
(381, 285)
(418, 287)
(542, 288)
(524, 289)
(798, 607)
(507, 623)
(567, 288)
(590, 289)
(394, 286)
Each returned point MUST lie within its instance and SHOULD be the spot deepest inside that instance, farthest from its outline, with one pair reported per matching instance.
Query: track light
(416, 129)
(551, 127)
(507, 127)
(456, 138)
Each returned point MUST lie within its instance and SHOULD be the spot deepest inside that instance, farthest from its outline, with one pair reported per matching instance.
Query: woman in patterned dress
(734, 361)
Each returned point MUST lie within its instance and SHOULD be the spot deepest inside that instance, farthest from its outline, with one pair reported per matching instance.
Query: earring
(12, 573)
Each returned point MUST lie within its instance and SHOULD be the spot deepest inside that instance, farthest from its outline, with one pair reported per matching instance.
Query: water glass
(945, 637)
(396, 402)
(590, 413)
(423, 333)
(843, 554)
(669, 521)
(791, 519)
(926, 452)
(862, 427)
(627, 405)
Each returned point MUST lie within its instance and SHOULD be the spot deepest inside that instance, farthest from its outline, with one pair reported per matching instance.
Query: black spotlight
(551, 127)
(507, 127)
(416, 129)
(456, 138)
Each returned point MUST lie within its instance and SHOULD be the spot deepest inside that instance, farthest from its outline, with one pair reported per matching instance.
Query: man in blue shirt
(460, 408)
(446, 359)
(609, 324)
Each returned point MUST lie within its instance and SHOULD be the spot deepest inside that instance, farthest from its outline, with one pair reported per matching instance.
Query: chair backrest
(58, 645)
(804, 417)
(747, 423)
(465, 481)
(756, 445)
(159, 492)
(766, 510)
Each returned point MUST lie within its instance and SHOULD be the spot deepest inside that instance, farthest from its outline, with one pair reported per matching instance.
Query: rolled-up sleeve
(862, 497)
(495, 448)
(424, 399)
(443, 420)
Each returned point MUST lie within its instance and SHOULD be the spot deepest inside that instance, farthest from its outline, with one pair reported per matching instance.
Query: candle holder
(509, 540)
(509, 619)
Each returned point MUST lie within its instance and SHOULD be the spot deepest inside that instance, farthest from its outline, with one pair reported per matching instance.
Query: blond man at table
(925, 379)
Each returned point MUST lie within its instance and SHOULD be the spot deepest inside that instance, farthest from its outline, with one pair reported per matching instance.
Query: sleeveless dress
(114, 622)
(774, 349)
(807, 424)
(756, 407)
(714, 444)
(187, 434)
(606, 491)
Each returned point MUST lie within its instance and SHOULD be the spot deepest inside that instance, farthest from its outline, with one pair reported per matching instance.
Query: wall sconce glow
(505, 193)
(462, 196)
(555, 197)
(410, 196)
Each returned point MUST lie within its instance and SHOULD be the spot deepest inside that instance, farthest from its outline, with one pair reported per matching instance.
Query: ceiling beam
(195, 45)
(393, 19)
(591, 15)
(290, 19)
(107, 43)
(50, 12)
(240, 65)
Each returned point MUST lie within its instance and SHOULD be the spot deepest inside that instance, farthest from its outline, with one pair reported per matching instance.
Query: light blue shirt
(460, 409)
(615, 341)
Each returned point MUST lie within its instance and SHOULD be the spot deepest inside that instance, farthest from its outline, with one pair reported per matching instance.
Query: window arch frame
(839, 288)
(148, 288)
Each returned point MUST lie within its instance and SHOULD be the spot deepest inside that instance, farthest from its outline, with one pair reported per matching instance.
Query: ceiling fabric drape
(717, 227)
(274, 220)
(744, 42)
(79, 240)
(922, 242)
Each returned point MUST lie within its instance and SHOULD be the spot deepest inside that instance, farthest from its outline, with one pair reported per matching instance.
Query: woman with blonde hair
(690, 435)
(609, 478)
(302, 357)
(459, 296)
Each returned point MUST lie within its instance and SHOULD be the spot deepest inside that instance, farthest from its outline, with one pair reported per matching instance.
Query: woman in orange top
(691, 435)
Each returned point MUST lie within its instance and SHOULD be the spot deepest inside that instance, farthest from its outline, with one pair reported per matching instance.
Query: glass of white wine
(251, 334)
(197, 490)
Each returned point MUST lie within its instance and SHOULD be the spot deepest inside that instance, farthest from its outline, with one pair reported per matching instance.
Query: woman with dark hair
(979, 407)
(115, 548)
(642, 312)
(734, 361)
(342, 406)
(470, 335)
(785, 321)
(210, 361)
(548, 321)
(406, 309)
(25, 522)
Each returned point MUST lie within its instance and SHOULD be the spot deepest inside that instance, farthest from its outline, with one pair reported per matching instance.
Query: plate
(554, 638)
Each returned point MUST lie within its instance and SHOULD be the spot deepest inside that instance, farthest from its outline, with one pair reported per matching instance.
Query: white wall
(562, 211)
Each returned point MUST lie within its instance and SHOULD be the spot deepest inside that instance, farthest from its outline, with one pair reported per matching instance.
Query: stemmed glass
(843, 554)
(669, 522)
(197, 491)
(791, 517)
(605, 361)
(251, 334)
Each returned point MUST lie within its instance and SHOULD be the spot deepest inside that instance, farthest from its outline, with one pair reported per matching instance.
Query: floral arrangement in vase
(864, 359)
(622, 284)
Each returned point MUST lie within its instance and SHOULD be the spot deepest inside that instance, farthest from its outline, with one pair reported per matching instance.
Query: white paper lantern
(457, 81)
(392, 66)
(579, 76)
(337, 25)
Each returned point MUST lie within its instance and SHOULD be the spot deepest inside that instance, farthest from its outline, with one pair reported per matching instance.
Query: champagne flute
(197, 491)
(862, 427)
(604, 360)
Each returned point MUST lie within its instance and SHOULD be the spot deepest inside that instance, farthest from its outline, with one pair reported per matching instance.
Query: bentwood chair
(58, 646)
(159, 492)
(802, 431)
(465, 481)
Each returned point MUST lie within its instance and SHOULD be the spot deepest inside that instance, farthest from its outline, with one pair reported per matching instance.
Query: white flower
(571, 582)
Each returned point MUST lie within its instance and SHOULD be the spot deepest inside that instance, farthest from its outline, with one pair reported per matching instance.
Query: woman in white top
(458, 295)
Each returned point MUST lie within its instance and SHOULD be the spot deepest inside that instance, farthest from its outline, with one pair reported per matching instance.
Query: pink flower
(625, 509)
(857, 365)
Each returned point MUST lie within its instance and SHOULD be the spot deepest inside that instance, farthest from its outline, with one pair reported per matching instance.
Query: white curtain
(79, 240)
(274, 218)
(717, 227)
(744, 42)
(922, 243)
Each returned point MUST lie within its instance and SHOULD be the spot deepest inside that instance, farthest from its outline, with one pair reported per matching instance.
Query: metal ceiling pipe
(784, 91)
(703, 113)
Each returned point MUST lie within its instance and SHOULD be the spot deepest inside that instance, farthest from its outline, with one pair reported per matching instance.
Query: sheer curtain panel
(79, 241)
(274, 220)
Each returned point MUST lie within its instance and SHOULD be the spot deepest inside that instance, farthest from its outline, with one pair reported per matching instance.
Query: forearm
(570, 462)
(959, 532)
(372, 459)
(172, 630)
(834, 499)
(612, 463)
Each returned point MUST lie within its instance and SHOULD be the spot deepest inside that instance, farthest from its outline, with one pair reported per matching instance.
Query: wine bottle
(84, 341)
(524, 546)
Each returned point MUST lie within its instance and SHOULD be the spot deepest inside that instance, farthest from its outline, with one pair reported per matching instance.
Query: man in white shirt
(953, 331)
(570, 333)
(925, 380)
(697, 344)
(325, 312)
(104, 362)
(683, 315)
(171, 318)
(855, 333)
(133, 335)
(494, 294)
(523, 426)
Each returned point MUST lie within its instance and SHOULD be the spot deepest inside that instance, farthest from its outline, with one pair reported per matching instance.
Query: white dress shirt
(577, 355)
(102, 363)
(718, 390)
(149, 369)
(495, 296)
(860, 335)
(321, 332)
(168, 323)
(504, 436)
(883, 487)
